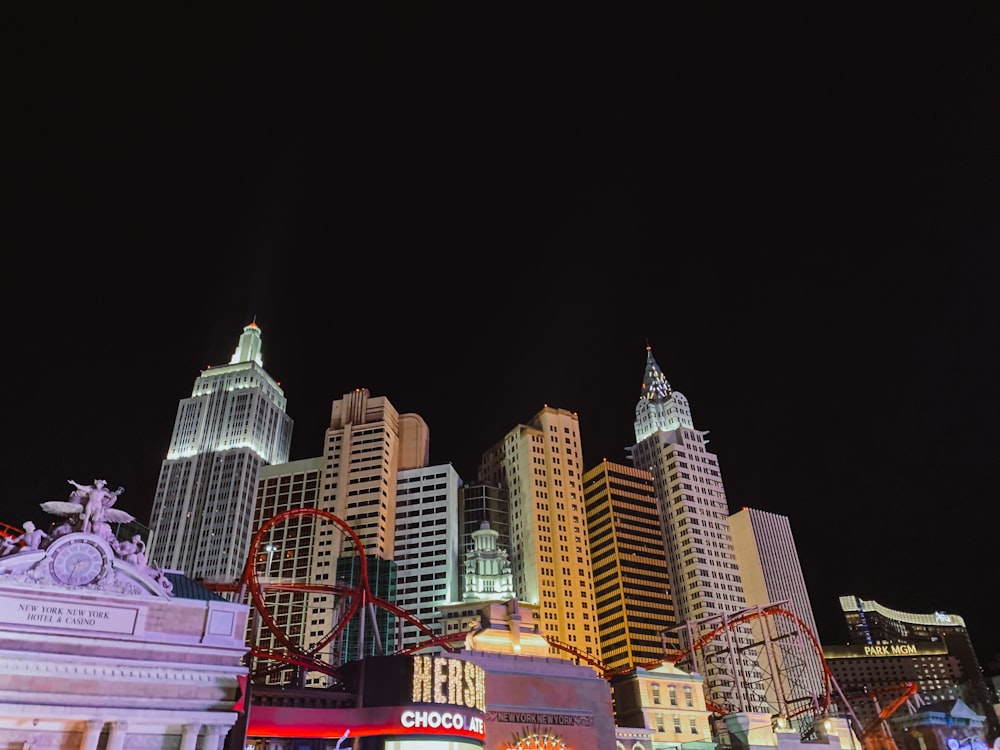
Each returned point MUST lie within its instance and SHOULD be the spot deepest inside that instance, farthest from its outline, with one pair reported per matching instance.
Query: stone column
(116, 737)
(189, 736)
(214, 735)
(92, 734)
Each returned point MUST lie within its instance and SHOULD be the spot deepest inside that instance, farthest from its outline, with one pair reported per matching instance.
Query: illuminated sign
(377, 721)
(397, 695)
(438, 679)
(893, 649)
(884, 649)
(442, 720)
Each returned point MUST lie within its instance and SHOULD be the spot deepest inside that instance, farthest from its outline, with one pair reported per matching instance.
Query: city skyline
(801, 226)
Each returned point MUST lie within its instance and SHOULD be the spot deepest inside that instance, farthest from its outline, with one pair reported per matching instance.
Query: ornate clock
(78, 562)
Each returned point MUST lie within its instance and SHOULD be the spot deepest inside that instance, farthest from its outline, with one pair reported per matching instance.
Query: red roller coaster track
(359, 598)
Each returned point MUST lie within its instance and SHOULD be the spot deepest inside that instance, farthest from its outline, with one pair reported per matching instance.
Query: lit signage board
(438, 679)
(879, 650)
(397, 695)
(285, 721)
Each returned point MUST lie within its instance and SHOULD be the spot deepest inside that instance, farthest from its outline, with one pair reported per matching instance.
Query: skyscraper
(291, 550)
(428, 573)
(367, 444)
(882, 632)
(704, 574)
(233, 423)
(635, 611)
(772, 574)
(541, 465)
(367, 447)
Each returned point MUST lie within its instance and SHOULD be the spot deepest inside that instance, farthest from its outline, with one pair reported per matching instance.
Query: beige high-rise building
(540, 463)
(772, 574)
(367, 444)
(705, 575)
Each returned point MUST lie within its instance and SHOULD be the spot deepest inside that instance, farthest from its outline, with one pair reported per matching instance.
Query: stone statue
(133, 551)
(31, 538)
(91, 507)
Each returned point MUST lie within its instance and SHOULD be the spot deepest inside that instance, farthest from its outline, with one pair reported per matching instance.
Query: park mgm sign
(880, 650)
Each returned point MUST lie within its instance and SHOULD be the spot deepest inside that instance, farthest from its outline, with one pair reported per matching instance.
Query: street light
(270, 555)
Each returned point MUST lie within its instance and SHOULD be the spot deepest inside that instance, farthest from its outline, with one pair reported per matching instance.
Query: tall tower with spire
(233, 423)
(704, 573)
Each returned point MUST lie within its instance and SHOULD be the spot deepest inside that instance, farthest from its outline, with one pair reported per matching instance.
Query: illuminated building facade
(886, 631)
(291, 550)
(705, 575)
(428, 573)
(668, 701)
(541, 465)
(373, 476)
(399, 702)
(484, 501)
(631, 582)
(233, 424)
(771, 573)
(114, 659)
(487, 578)
(367, 444)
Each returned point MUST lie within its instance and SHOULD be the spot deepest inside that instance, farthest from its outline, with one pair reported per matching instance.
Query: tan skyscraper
(367, 444)
(374, 462)
(771, 573)
(541, 465)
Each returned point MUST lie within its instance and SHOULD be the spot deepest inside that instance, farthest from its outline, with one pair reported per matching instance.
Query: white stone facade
(117, 664)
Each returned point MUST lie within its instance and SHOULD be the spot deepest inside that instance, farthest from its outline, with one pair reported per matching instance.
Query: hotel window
(656, 694)
(673, 696)
(688, 699)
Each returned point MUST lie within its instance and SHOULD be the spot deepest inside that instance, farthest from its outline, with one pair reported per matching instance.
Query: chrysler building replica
(233, 423)
(694, 516)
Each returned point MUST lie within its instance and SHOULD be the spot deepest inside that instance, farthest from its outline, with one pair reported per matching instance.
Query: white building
(233, 423)
(428, 573)
(704, 573)
(99, 652)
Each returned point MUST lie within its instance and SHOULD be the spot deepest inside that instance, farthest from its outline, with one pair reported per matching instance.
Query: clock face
(78, 563)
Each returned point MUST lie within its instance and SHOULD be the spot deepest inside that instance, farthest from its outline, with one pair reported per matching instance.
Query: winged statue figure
(91, 507)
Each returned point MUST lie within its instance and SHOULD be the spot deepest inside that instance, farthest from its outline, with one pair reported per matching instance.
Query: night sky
(477, 213)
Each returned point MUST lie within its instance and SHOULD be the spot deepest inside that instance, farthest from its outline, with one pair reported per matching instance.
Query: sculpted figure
(31, 537)
(133, 551)
(98, 499)
(91, 507)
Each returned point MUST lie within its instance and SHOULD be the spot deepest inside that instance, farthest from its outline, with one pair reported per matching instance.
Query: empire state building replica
(234, 422)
